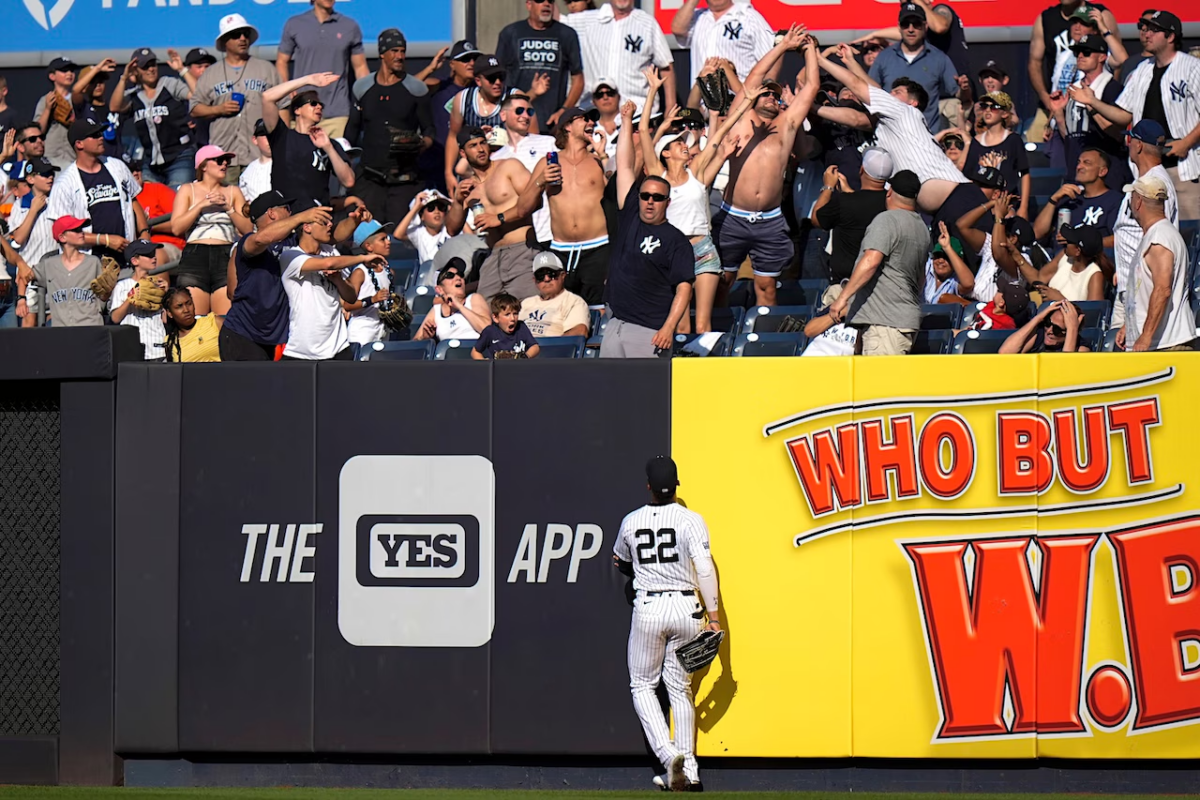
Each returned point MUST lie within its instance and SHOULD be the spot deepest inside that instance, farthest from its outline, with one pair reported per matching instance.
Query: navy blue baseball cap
(662, 475)
(1148, 131)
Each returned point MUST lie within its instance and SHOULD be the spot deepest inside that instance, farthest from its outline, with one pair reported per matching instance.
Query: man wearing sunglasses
(1163, 90)
(1049, 42)
(750, 222)
(650, 278)
(914, 58)
(229, 93)
(518, 118)
(553, 311)
(31, 145)
(303, 157)
(541, 45)
(100, 190)
(621, 40)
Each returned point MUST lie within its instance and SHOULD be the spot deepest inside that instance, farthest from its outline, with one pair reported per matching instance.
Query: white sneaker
(661, 782)
(676, 781)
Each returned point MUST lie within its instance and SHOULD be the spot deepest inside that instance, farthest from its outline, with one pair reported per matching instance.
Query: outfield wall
(930, 559)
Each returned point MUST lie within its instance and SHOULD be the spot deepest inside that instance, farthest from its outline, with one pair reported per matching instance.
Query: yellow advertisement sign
(977, 557)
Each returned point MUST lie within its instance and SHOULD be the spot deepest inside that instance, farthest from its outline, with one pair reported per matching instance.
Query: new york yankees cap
(911, 11)
(990, 177)
(464, 49)
(1166, 22)
(993, 68)
(488, 65)
(662, 475)
(1087, 238)
(198, 55)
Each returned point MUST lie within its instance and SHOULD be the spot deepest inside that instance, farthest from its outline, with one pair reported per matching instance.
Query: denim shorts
(707, 260)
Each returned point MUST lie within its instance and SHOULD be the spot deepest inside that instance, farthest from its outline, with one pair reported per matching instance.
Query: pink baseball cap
(209, 152)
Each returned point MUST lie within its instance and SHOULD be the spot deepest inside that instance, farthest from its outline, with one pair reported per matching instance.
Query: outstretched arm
(791, 41)
(712, 158)
(626, 160)
(802, 103)
(272, 96)
(854, 80)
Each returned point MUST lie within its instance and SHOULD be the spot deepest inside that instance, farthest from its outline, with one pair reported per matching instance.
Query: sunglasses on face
(655, 196)
(776, 95)
(1146, 26)
(600, 95)
(952, 143)
(240, 33)
(521, 111)
(438, 206)
(35, 138)
(1057, 330)
(543, 275)
(911, 24)
(493, 78)
(449, 276)
(989, 107)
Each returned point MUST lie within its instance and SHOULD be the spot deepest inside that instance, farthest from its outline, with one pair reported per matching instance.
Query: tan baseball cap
(1148, 186)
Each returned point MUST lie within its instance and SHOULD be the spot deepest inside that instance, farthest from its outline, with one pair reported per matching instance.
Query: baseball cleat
(661, 782)
(675, 777)
(694, 786)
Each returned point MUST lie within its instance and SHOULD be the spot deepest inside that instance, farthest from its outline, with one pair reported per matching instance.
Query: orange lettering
(831, 476)
(1024, 443)
(1134, 420)
(1079, 476)
(899, 456)
(947, 482)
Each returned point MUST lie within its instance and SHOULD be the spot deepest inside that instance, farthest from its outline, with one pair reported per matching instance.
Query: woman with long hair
(211, 217)
(190, 339)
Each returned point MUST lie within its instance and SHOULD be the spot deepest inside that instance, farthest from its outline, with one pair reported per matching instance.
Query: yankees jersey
(662, 542)
(619, 49)
(740, 35)
(1180, 103)
(1127, 233)
(901, 131)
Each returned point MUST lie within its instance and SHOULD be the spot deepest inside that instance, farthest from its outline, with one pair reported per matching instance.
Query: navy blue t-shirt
(647, 263)
(1099, 212)
(260, 307)
(494, 340)
(104, 199)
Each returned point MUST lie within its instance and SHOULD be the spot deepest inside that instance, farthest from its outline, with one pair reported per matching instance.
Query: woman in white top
(371, 282)
(213, 217)
(691, 178)
(1073, 274)
(456, 316)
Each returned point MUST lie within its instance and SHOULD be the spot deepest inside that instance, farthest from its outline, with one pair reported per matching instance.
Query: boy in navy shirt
(506, 335)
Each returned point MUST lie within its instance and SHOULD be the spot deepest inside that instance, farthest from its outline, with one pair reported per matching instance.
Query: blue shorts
(764, 238)
(707, 260)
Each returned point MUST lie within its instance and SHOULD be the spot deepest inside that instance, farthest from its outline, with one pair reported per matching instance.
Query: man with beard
(477, 107)
(575, 186)
(393, 128)
(497, 186)
(750, 222)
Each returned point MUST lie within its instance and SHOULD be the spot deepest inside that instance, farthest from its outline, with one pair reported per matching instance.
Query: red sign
(868, 15)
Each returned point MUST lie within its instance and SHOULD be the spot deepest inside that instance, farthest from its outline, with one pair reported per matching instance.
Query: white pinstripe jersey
(662, 542)
(1180, 88)
(903, 133)
(619, 49)
(740, 35)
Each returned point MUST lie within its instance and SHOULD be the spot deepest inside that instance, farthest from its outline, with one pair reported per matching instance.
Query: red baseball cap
(64, 224)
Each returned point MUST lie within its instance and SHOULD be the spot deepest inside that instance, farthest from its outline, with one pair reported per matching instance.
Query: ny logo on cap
(49, 19)
(468, 46)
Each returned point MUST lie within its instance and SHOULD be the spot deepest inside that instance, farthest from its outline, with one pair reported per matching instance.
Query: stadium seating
(1046, 180)
(1110, 341)
(682, 340)
(769, 344)
(933, 342)
(941, 316)
(561, 346)
(397, 351)
(804, 292)
(767, 319)
(454, 350)
(969, 342)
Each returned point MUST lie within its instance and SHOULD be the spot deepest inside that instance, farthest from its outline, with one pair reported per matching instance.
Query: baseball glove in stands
(149, 296)
(714, 90)
(103, 284)
(700, 651)
(394, 313)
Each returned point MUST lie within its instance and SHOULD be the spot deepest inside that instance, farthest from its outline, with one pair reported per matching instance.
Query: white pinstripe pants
(660, 624)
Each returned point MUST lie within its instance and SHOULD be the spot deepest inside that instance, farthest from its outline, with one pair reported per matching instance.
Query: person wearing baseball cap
(371, 282)
(522, 48)
(304, 156)
(394, 127)
(159, 108)
(325, 40)
(553, 311)
(477, 107)
(1081, 127)
(66, 277)
(424, 225)
(442, 96)
(256, 177)
(946, 272)
(1074, 275)
(847, 214)
(55, 111)
(993, 77)
(231, 105)
(142, 257)
(882, 299)
(914, 59)
(995, 136)
(1158, 312)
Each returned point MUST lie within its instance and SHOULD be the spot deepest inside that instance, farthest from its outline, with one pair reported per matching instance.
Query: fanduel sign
(51, 27)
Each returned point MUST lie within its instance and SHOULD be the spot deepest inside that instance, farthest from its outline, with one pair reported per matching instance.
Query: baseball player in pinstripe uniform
(664, 546)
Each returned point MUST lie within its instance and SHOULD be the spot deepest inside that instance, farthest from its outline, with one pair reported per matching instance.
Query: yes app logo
(416, 551)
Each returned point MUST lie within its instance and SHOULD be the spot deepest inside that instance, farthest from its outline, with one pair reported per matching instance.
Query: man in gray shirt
(883, 297)
(322, 40)
(229, 93)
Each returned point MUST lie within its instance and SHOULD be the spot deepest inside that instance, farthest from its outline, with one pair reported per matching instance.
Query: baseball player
(665, 548)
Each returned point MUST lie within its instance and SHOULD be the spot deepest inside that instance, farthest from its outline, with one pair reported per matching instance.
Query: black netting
(29, 492)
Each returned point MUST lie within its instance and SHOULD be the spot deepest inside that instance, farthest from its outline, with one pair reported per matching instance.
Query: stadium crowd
(568, 194)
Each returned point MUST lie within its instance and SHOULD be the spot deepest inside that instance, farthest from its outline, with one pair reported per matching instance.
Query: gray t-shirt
(58, 147)
(235, 134)
(892, 298)
(316, 46)
(72, 303)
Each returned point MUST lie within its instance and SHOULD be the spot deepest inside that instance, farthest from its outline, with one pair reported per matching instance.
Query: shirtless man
(750, 222)
(575, 186)
(497, 185)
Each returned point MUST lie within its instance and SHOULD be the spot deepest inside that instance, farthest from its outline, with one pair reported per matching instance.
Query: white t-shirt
(1178, 325)
(427, 243)
(364, 326)
(255, 179)
(554, 317)
(837, 341)
(316, 329)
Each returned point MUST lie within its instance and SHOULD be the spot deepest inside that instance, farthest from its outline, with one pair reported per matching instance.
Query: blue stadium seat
(1092, 339)
(594, 315)
(814, 288)
(941, 316)
(767, 319)
(933, 342)
(803, 292)
(682, 340)
(769, 344)
(1047, 180)
(969, 312)
(725, 320)
(397, 351)
(454, 350)
(561, 346)
(969, 342)
(1110, 341)
(599, 322)
(420, 300)
(1095, 313)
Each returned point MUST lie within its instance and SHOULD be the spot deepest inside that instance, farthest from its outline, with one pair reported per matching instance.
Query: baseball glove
(395, 313)
(506, 354)
(103, 284)
(714, 90)
(791, 324)
(700, 651)
(62, 111)
(404, 142)
(149, 296)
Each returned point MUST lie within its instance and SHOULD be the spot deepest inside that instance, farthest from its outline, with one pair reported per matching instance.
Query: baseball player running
(665, 548)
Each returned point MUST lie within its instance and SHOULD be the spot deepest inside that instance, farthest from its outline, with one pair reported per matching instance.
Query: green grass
(85, 793)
